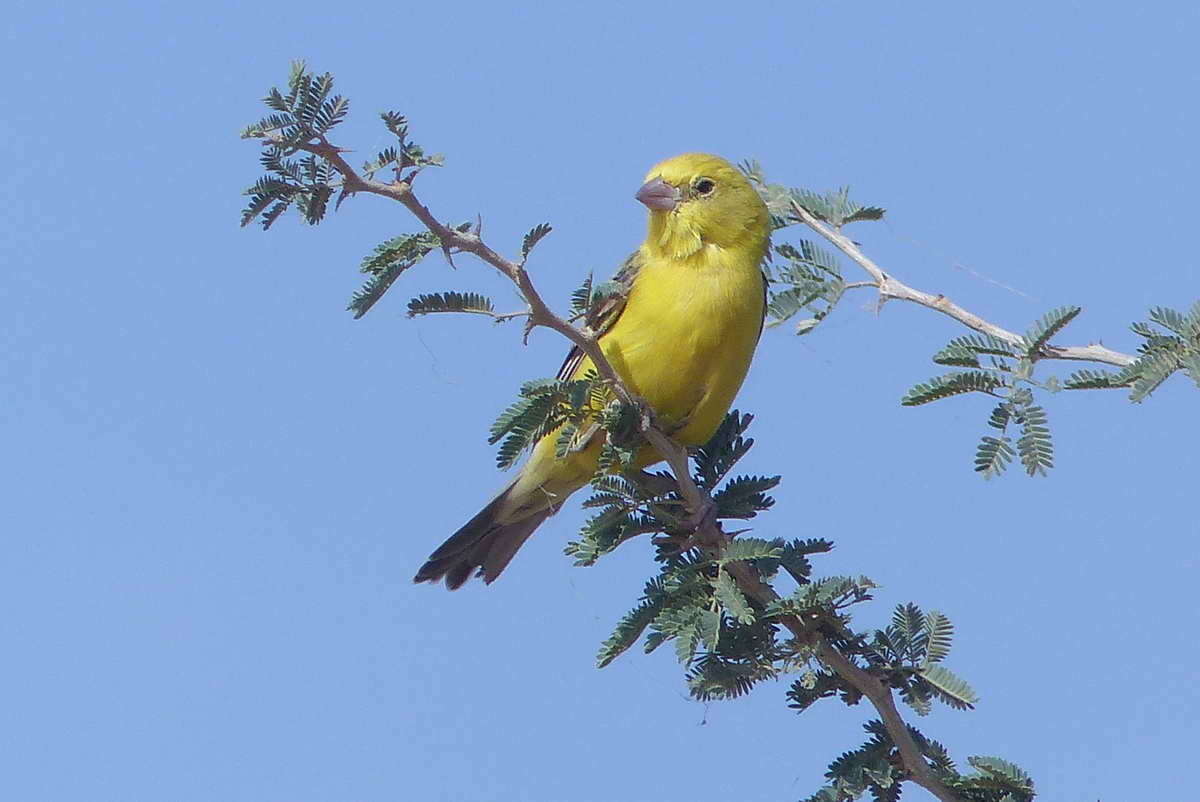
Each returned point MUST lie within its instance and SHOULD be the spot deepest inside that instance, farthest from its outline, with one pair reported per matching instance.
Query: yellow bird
(681, 336)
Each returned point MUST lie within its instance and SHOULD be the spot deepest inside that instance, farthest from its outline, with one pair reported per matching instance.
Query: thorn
(478, 225)
(698, 521)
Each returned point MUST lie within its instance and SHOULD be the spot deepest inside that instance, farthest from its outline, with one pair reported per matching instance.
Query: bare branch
(890, 287)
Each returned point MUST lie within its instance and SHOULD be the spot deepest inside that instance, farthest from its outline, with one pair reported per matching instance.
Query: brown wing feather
(601, 318)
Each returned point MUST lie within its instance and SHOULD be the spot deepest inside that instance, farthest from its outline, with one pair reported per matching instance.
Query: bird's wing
(601, 317)
(766, 299)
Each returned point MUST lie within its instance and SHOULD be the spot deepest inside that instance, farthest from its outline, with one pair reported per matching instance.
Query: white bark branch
(890, 287)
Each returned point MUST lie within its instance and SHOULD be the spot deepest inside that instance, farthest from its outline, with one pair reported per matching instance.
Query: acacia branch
(707, 531)
(455, 241)
(870, 686)
(890, 287)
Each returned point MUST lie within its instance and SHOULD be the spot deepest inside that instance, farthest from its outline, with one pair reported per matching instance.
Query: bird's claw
(698, 529)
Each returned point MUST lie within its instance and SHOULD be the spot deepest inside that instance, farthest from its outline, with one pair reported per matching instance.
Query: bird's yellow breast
(686, 337)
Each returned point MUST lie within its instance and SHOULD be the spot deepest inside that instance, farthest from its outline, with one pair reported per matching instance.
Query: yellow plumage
(682, 341)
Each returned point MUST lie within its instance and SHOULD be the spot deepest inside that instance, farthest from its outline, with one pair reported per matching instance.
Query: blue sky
(217, 484)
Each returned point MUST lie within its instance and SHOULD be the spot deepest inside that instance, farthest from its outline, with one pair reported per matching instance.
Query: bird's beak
(659, 195)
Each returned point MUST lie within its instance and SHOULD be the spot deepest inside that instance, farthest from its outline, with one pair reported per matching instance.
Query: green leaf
(745, 496)
(890, 645)
(581, 299)
(521, 425)
(396, 123)
(1152, 370)
(918, 696)
(1171, 320)
(1095, 380)
(410, 154)
(1002, 770)
(545, 405)
(385, 264)
(305, 114)
(807, 261)
(565, 443)
(824, 595)
(682, 624)
(388, 155)
(732, 599)
(631, 626)
(814, 276)
(993, 456)
(939, 635)
(604, 532)
(951, 384)
(451, 301)
(1034, 444)
(794, 557)
(865, 213)
(717, 457)
(965, 351)
(835, 207)
(1192, 324)
(751, 548)
(275, 212)
(713, 677)
(956, 356)
(534, 236)
(783, 305)
(950, 688)
(615, 486)
(1000, 417)
(908, 620)
(331, 113)
(314, 203)
(1191, 364)
(266, 191)
(603, 291)
(813, 687)
(708, 627)
(1052, 323)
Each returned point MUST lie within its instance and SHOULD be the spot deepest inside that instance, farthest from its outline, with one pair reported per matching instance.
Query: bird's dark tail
(483, 546)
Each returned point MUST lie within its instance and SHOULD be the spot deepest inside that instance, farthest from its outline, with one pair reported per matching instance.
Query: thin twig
(469, 242)
(699, 505)
(497, 317)
(890, 287)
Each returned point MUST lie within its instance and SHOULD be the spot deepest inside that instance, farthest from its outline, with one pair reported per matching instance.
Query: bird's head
(698, 200)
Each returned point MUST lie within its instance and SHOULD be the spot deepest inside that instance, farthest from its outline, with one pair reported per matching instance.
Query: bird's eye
(705, 186)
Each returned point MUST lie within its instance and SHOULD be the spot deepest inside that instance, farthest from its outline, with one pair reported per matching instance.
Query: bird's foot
(698, 529)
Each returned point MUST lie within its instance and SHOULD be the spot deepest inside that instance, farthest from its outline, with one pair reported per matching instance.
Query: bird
(681, 334)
